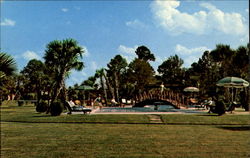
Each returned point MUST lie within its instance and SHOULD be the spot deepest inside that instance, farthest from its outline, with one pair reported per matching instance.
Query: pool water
(151, 108)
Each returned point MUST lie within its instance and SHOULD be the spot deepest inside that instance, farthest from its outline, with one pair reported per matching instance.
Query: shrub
(220, 107)
(20, 103)
(42, 107)
(56, 108)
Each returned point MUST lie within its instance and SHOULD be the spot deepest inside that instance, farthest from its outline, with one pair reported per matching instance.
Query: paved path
(155, 119)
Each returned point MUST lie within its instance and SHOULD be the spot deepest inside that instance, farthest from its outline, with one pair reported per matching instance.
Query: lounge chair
(75, 108)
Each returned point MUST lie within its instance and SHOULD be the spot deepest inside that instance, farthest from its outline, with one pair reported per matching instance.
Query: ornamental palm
(61, 57)
(7, 65)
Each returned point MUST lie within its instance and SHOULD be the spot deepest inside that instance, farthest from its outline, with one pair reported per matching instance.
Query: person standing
(98, 100)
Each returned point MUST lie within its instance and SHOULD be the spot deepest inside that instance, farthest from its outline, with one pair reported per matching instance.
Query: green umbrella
(85, 88)
(232, 82)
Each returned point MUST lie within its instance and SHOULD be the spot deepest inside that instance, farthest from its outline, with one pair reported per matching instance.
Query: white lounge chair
(75, 108)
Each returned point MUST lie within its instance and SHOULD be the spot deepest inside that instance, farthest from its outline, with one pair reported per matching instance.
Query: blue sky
(107, 28)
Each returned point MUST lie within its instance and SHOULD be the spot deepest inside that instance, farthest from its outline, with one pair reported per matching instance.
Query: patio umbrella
(191, 89)
(84, 88)
(232, 82)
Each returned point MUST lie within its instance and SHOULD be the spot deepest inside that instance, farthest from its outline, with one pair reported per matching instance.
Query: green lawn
(63, 136)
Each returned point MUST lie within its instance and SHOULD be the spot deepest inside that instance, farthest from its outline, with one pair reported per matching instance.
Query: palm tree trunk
(104, 90)
(116, 87)
(109, 86)
(57, 89)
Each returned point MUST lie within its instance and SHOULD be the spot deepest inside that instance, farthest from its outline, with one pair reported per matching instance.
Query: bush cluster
(42, 106)
(56, 108)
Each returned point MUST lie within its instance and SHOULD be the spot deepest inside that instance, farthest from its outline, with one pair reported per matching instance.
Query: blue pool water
(160, 108)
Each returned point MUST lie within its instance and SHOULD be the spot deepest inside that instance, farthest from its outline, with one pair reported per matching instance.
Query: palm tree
(7, 65)
(7, 70)
(61, 57)
(100, 74)
(117, 67)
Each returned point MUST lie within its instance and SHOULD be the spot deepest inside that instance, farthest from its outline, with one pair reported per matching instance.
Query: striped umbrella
(191, 89)
(234, 82)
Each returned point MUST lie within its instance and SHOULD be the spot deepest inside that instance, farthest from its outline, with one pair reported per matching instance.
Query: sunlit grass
(97, 140)
(63, 136)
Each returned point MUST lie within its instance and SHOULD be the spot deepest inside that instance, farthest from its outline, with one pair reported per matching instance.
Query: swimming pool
(160, 108)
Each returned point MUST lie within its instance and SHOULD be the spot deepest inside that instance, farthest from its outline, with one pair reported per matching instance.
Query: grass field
(41, 136)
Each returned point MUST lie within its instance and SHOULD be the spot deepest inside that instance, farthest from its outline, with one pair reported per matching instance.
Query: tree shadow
(43, 116)
(236, 128)
(208, 115)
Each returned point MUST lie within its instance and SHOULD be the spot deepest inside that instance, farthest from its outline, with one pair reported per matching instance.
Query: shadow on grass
(208, 115)
(237, 128)
(43, 116)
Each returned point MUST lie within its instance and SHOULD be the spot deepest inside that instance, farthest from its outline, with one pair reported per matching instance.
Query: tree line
(119, 79)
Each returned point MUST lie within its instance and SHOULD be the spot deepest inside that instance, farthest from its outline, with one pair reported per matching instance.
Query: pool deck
(126, 110)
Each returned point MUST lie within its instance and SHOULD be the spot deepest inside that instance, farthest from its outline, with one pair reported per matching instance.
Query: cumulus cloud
(190, 55)
(207, 20)
(8, 22)
(182, 50)
(127, 52)
(28, 55)
(64, 9)
(135, 24)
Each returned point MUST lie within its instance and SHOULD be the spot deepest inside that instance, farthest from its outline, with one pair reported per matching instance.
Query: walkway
(155, 119)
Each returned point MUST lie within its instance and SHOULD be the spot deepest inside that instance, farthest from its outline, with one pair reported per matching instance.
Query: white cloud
(65, 9)
(28, 55)
(135, 24)
(8, 22)
(205, 21)
(127, 52)
(190, 60)
(190, 55)
(182, 50)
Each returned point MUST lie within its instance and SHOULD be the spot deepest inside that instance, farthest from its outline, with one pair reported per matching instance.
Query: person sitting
(70, 105)
(113, 102)
(211, 104)
(74, 107)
